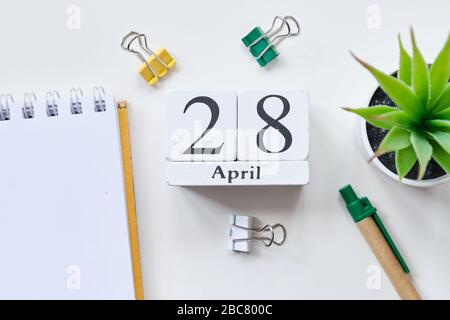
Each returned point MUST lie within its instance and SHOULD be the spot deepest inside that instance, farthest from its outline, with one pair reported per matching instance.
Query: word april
(230, 175)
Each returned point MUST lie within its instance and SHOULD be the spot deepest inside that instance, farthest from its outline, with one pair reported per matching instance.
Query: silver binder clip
(29, 100)
(76, 96)
(99, 99)
(52, 105)
(242, 232)
(5, 101)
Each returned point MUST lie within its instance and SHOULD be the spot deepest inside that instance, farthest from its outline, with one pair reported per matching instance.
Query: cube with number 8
(273, 125)
(201, 125)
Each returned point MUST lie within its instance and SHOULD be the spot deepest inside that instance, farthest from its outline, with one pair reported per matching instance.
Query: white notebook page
(63, 218)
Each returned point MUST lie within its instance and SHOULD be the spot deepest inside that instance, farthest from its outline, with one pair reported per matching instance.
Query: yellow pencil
(122, 111)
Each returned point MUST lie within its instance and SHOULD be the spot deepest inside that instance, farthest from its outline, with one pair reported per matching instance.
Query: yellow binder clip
(156, 65)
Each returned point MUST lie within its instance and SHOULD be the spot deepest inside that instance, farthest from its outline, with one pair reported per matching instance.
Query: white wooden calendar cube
(215, 139)
(273, 125)
(201, 125)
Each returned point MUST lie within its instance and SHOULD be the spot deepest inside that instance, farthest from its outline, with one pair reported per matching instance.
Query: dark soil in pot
(376, 135)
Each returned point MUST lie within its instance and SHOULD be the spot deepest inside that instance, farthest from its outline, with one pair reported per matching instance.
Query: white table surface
(183, 231)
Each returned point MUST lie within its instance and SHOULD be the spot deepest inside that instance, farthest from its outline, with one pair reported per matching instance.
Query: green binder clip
(262, 44)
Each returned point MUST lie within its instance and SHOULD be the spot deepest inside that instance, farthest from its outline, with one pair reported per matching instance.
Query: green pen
(381, 243)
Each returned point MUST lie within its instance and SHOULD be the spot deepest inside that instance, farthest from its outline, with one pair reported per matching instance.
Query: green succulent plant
(419, 129)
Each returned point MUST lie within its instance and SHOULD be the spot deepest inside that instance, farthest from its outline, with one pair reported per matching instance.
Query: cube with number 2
(201, 125)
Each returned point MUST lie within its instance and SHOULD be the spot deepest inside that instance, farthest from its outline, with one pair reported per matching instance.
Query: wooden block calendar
(224, 138)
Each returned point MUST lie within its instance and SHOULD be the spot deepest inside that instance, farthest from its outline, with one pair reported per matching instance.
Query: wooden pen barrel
(400, 280)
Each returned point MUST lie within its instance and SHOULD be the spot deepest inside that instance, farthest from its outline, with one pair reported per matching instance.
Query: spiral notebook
(64, 224)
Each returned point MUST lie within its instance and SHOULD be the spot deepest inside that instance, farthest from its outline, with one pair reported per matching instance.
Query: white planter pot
(364, 146)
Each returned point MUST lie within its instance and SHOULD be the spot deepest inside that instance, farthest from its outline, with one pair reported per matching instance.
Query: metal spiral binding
(99, 99)
(5, 100)
(76, 96)
(29, 99)
(52, 105)
(53, 99)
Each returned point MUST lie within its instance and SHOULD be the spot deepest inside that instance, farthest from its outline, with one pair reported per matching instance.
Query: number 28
(271, 123)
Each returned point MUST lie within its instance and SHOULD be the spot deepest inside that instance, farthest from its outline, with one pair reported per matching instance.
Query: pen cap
(348, 194)
(359, 208)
